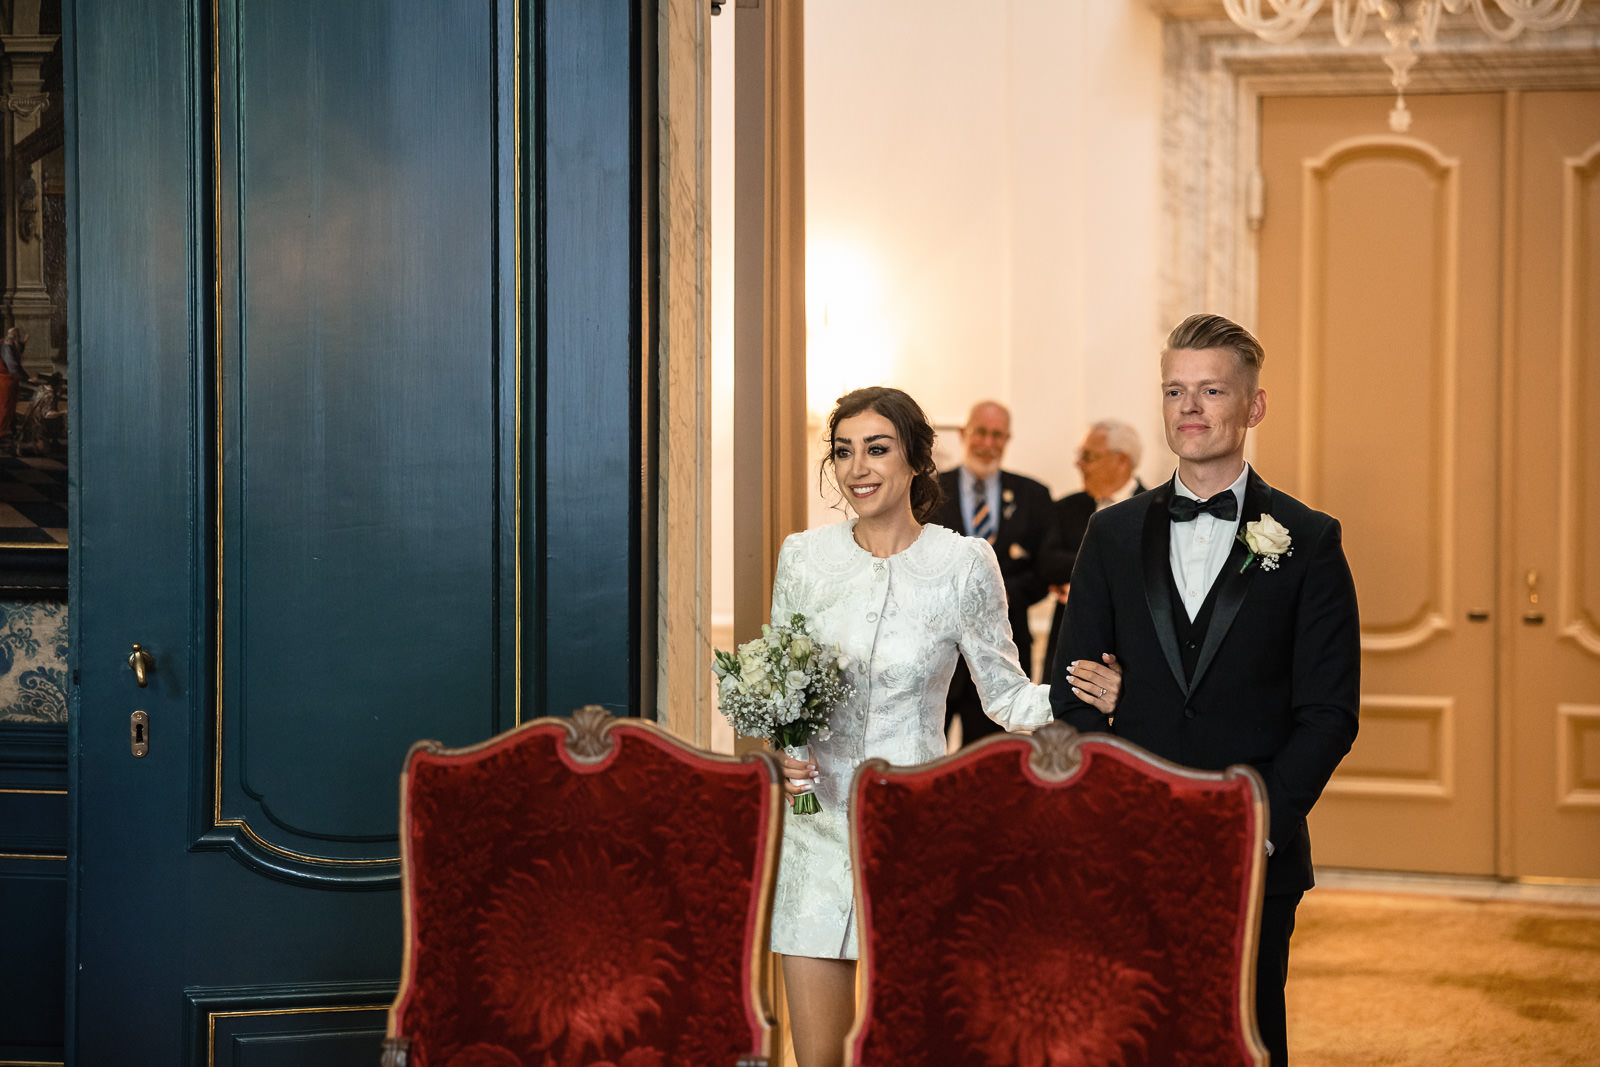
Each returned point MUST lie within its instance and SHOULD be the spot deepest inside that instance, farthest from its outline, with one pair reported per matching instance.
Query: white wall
(990, 175)
(982, 202)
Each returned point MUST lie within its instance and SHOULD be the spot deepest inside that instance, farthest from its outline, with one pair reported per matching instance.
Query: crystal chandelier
(1279, 21)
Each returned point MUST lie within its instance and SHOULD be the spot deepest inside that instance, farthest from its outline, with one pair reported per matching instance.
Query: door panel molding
(1578, 755)
(1580, 460)
(1320, 180)
(223, 1023)
(311, 495)
(1406, 749)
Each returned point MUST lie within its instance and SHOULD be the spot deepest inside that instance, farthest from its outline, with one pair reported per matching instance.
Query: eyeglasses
(1086, 456)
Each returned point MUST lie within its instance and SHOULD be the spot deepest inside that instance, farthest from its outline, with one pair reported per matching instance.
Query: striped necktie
(982, 517)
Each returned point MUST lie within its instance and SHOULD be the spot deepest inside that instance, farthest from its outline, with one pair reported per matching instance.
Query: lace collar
(932, 554)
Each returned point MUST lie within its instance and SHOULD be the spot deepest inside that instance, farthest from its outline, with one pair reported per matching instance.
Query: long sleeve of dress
(1008, 697)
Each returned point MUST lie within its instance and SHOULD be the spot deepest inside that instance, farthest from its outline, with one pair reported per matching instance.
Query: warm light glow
(849, 343)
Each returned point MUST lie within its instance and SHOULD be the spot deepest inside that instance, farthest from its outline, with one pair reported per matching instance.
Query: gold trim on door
(213, 1016)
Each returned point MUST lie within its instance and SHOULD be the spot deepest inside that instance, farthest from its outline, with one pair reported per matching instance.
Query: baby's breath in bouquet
(782, 687)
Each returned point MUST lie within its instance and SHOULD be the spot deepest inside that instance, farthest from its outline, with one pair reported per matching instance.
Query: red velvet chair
(1055, 899)
(585, 891)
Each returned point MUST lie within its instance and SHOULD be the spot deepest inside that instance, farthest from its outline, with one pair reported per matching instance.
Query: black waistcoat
(1191, 635)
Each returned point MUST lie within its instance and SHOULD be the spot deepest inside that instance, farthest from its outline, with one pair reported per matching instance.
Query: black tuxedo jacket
(1019, 536)
(1277, 682)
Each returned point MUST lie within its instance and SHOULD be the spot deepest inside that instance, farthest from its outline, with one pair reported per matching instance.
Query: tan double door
(1430, 306)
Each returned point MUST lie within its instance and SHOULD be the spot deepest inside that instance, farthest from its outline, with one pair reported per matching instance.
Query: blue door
(356, 291)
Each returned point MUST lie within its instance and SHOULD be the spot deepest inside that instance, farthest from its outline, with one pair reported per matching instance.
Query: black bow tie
(1223, 505)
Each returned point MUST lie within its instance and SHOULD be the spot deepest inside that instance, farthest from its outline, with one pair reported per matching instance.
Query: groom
(1232, 611)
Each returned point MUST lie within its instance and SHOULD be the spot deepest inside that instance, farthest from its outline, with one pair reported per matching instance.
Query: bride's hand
(1097, 684)
(798, 776)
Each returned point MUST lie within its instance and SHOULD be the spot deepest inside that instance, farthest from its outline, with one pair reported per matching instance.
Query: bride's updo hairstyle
(911, 426)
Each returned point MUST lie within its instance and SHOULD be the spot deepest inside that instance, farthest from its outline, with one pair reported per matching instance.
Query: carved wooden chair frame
(1057, 756)
(589, 741)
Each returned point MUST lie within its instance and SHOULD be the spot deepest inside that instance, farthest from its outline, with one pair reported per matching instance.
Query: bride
(901, 599)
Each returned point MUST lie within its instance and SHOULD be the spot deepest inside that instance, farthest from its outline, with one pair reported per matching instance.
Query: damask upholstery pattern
(33, 661)
(565, 913)
(1105, 919)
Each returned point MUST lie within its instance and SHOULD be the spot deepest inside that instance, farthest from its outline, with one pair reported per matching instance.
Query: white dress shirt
(1201, 547)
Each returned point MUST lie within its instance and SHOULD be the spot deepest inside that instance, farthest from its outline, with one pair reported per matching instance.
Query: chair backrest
(1057, 899)
(584, 890)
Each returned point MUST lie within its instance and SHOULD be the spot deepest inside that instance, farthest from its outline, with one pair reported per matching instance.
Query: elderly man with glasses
(1106, 461)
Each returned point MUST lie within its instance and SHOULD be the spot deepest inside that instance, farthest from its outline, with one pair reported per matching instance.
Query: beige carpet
(1381, 978)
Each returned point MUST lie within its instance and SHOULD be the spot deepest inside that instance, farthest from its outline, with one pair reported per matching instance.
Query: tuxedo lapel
(1234, 582)
(1156, 549)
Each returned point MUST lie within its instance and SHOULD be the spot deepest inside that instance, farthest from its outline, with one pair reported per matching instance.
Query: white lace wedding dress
(902, 621)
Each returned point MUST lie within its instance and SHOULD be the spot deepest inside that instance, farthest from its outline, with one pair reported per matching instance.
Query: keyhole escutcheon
(139, 734)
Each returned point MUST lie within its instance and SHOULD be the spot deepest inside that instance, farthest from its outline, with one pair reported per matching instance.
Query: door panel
(1438, 317)
(324, 409)
(359, 373)
(1379, 311)
(1553, 666)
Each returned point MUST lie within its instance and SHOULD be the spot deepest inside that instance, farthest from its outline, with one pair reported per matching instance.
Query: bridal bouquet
(781, 687)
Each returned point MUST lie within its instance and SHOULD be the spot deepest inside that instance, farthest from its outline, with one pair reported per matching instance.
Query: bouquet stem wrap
(806, 803)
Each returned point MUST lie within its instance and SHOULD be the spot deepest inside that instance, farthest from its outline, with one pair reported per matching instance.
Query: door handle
(142, 663)
(1533, 616)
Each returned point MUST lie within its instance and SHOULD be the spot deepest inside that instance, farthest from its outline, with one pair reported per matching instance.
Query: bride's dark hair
(911, 426)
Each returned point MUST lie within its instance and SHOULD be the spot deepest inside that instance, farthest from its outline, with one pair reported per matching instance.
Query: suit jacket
(1277, 682)
(1019, 536)
(1071, 515)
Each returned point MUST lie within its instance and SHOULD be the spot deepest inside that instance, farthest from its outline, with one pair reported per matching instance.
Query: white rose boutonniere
(1267, 539)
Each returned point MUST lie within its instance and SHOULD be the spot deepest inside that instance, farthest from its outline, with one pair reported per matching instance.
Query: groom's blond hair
(1200, 332)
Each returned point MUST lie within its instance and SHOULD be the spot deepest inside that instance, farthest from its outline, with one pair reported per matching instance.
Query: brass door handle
(142, 663)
